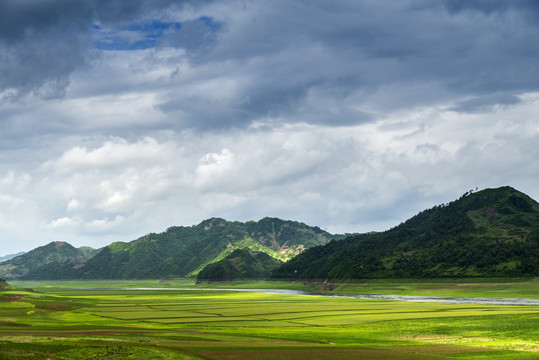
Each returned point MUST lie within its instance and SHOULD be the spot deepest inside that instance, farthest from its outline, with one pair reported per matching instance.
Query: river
(418, 298)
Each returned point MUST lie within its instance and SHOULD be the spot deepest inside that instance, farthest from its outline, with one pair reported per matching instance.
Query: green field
(56, 321)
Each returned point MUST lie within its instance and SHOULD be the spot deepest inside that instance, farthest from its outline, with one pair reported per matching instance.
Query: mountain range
(490, 233)
(178, 252)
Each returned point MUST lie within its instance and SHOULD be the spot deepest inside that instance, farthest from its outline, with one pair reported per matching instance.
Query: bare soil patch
(12, 298)
(56, 307)
(10, 323)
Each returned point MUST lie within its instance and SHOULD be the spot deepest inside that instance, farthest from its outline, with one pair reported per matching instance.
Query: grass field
(56, 321)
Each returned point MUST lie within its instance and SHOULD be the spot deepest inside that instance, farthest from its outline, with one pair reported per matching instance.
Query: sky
(123, 118)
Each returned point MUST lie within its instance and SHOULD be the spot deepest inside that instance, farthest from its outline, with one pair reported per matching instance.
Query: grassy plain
(81, 320)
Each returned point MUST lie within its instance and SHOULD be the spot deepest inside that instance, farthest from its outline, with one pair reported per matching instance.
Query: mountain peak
(215, 221)
(59, 244)
(53, 252)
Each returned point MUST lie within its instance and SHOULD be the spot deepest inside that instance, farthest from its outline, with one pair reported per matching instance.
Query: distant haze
(10, 256)
(121, 118)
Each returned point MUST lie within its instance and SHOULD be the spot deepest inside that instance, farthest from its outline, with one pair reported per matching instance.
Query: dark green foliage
(47, 256)
(241, 264)
(181, 251)
(491, 233)
(3, 284)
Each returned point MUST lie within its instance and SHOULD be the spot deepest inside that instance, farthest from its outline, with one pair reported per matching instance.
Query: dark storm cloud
(363, 58)
(193, 34)
(337, 63)
(43, 42)
(35, 53)
(20, 17)
(492, 6)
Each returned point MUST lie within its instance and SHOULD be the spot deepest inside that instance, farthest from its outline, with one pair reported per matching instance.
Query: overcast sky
(121, 118)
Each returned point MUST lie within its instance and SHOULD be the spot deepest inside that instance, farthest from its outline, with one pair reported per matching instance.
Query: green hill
(184, 251)
(490, 233)
(241, 264)
(43, 256)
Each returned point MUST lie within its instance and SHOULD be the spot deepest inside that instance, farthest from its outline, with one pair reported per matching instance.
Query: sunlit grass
(58, 322)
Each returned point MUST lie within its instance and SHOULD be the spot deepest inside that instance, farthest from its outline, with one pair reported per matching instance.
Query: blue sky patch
(143, 35)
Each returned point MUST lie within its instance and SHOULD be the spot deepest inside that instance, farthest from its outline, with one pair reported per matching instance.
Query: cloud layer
(121, 118)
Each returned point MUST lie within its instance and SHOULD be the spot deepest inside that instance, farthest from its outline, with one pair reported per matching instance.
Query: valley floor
(113, 320)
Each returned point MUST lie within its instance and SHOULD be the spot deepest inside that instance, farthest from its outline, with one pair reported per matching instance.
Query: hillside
(52, 253)
(184, 251)
(490, 233)
(241, 264)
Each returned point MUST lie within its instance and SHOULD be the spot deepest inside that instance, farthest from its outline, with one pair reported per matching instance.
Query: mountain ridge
(182, 251)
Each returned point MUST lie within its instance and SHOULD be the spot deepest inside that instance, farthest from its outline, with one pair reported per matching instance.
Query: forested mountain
(241, 264)
(52, 253)
(490, 233)
(184, 251)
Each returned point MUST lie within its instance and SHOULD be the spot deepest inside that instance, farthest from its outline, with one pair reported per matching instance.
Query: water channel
(418, 298)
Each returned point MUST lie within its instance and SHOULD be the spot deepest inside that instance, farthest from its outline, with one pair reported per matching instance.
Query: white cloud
(74, 205)
(13, 181)
(212, 168)
(115, 153)
(215, 203)
(60, 222)
(99, 226)
(360, 178)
